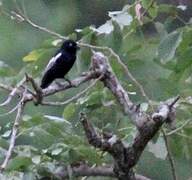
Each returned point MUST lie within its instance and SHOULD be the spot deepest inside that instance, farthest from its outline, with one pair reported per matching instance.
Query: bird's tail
(46, 81)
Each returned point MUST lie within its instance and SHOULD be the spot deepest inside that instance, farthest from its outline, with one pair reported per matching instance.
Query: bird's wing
(52, 61)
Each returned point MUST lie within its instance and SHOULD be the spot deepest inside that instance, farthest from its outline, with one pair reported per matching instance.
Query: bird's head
(70, 46)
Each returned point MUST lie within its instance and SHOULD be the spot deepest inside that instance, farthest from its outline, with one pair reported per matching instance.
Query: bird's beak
(78, 48)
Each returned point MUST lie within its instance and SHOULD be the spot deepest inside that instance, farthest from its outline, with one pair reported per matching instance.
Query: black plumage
(60, 63)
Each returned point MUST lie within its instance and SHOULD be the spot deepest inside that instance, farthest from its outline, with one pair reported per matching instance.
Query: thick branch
(146, 132)
(100, 62)
(148, 125)
(72, 98)
(114, 146)
(85, 170)
(64, 86)
(93, 137)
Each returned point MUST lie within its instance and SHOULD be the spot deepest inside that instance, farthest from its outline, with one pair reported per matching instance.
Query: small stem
(169, 154)
(179, 128)
(39, 94)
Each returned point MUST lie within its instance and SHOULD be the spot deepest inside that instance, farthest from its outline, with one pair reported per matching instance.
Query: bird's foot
(70, 83)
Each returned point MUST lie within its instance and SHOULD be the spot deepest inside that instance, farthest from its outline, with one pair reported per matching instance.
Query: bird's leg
(70, 83)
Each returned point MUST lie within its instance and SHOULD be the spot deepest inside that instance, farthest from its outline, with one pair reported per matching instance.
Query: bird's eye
(70, 44)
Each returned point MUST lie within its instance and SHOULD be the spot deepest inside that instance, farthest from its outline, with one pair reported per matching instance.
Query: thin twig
(26, 19)
(14, 132)
(5, 87)
(10, 112)
(149, 6)
(13, 92)
(38, 95)
(184, 135)
(17, 6)
(182, 20)
(33, 83)
(175, 100)
(128, 34)
(28, 90)
(179, 128)
(169, 154)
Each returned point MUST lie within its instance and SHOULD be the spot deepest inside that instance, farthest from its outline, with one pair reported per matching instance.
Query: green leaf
(89, 153)
(69, 111)
(158, 149)
(51, 42)
(29, 176)
(105, 28)
(151, 7)
(3, 143)
(74, 156)
(5, 70)
(168, 46)
(146, 3)
(34, 55)
(144, 106)
(6, 134)
(36, 137)
(36, 159)
(94, 99)
(73, 140)
(184, 60)
(57, 119)
(161, 29)
(57, 151)
(186, 39)
(122, 18)
(19, 163)
(167, 8)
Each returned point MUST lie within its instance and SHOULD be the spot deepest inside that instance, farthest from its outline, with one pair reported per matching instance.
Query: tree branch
(148, 125)
(73, 98)
(85, 170)
(13, 92)
(114, 146)
(20, 110)
(125, 158)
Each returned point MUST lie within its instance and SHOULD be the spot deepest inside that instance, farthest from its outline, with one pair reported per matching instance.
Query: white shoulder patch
(52, 61)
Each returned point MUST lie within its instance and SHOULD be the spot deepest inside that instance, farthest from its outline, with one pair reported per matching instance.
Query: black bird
(60, 63)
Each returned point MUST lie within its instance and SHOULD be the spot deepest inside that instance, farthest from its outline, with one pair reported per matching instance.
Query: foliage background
(158, 53)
